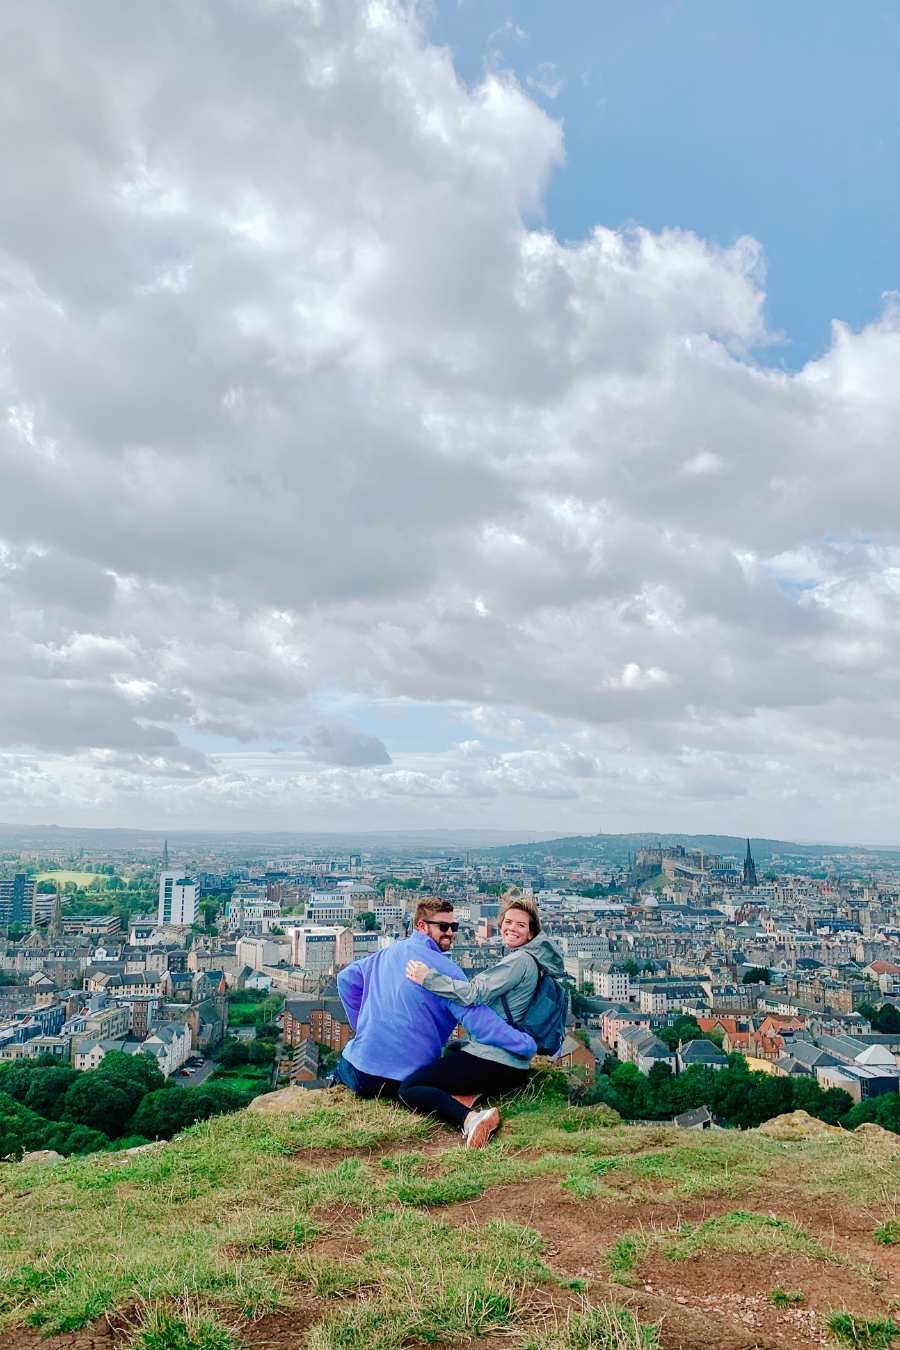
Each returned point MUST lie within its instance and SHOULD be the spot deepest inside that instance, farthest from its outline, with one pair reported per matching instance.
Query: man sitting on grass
(400, 1026)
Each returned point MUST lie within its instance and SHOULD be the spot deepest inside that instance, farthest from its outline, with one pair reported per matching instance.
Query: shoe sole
(484, 1130)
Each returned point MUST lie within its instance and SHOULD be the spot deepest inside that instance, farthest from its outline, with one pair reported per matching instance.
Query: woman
(469, 1069)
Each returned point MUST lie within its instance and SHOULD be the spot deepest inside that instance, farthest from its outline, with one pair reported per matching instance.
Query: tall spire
(749, 872)
(165, 855)
(56, 927)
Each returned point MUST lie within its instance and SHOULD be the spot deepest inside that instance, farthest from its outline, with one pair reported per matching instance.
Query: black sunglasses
(444, 927)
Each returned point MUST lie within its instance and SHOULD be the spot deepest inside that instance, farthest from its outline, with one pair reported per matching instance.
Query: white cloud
(297, 397)
(545, 79)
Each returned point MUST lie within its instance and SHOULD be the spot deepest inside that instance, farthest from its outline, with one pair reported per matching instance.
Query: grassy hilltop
(341, 1224)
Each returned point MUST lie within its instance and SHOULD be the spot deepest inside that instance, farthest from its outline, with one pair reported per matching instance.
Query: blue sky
(779, 120)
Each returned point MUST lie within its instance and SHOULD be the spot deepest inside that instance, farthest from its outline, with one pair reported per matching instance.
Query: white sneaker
(480, 1126)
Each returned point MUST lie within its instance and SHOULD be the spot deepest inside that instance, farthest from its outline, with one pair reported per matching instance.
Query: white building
(388, 914)
(257, 952)
(169, 1045)
(177, 899)
(654, 1000)
(320, 947)
(252, 913)
(329, 907)
(612, 984)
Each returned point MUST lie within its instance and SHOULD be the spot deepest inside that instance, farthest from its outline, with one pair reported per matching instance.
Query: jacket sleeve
(485, 987)
(350, 988)
(487, 1027)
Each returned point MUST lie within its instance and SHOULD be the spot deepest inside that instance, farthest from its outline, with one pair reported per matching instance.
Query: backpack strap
(504, 1001)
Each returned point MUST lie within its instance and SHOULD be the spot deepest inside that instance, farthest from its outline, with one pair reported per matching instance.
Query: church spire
(56, 927)
(165, 866)
(749, 872)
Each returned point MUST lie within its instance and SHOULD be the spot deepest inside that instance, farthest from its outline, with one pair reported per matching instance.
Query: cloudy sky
(437, 415)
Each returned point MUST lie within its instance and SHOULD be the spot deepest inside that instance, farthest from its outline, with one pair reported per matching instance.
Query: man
(400, 1025)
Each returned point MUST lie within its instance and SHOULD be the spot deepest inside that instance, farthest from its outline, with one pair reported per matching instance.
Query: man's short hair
(430, 907)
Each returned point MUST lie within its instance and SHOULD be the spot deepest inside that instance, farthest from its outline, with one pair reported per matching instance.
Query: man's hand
(417, 971)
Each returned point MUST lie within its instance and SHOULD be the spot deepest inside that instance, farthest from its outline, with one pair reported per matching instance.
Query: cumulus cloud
(336, 744)
(298, 396)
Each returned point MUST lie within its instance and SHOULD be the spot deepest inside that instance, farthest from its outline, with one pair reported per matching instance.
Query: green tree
(261, 1052)
(684, 1028)
(629, 967)
(47, 1088)
(68, 1139)
(162, 1114)
(883, 1111)
(884, 1019)
(97, 1103)
(757, 975)
(232, 1052)
(367, 921)
(21, 1130)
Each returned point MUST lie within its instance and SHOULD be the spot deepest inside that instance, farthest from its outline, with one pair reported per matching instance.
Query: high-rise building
(17, 899)
(177, 898)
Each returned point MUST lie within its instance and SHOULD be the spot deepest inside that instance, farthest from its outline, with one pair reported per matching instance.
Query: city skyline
(392, 441)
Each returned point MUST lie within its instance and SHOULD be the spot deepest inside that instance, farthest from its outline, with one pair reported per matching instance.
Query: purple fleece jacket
(399, 1025)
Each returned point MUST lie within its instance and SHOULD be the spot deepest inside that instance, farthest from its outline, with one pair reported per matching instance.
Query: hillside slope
(338, 1223)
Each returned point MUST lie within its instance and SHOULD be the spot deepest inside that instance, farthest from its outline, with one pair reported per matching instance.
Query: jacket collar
(426, 941)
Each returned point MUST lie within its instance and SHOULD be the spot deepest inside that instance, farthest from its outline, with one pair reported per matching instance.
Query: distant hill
(614, 849)
(246, 843)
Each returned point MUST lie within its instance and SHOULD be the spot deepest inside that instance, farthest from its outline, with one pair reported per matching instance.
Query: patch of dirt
(99, 1337)
(846, 1228)
(736, 1288)
(283, 1330)
(577, 1232)
(322, 1159)
(713, 1302)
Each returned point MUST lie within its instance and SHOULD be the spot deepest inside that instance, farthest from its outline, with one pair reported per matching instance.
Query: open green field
(78, 878)
(320, 1222)
(247, 1008)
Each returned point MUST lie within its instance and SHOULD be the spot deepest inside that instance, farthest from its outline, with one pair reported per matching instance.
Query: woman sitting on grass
(448, 1086)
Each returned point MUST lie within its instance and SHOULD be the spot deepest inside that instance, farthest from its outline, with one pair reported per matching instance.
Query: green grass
(251, 1079)
(243, 1214)
(624, 1256)
(247, 1011)
(745, 1234)
(95, 1234)
(186, 1327)
(598, 1328)
(434, 1282)
(785, 1298)
(864, 1333)
(738, 1233)
(77, 878)
(888, 1234)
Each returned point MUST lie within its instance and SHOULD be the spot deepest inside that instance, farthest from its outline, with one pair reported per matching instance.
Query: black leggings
(429, 1089)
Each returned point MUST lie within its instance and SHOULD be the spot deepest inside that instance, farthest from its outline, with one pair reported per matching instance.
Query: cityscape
(681, 962)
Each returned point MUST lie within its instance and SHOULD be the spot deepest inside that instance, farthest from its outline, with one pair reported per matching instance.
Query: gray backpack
(545, 1017)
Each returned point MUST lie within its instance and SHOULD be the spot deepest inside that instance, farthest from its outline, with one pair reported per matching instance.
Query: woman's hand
(417, 971)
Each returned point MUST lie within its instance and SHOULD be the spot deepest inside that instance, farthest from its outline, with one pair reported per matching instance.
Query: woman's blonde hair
(514, 899)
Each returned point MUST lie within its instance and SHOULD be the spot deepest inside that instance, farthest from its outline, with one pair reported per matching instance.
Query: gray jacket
(515, 976)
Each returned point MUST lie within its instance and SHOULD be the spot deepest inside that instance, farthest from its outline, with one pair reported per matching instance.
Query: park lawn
(248, 1078)
(78, 878)
(253, 1012)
